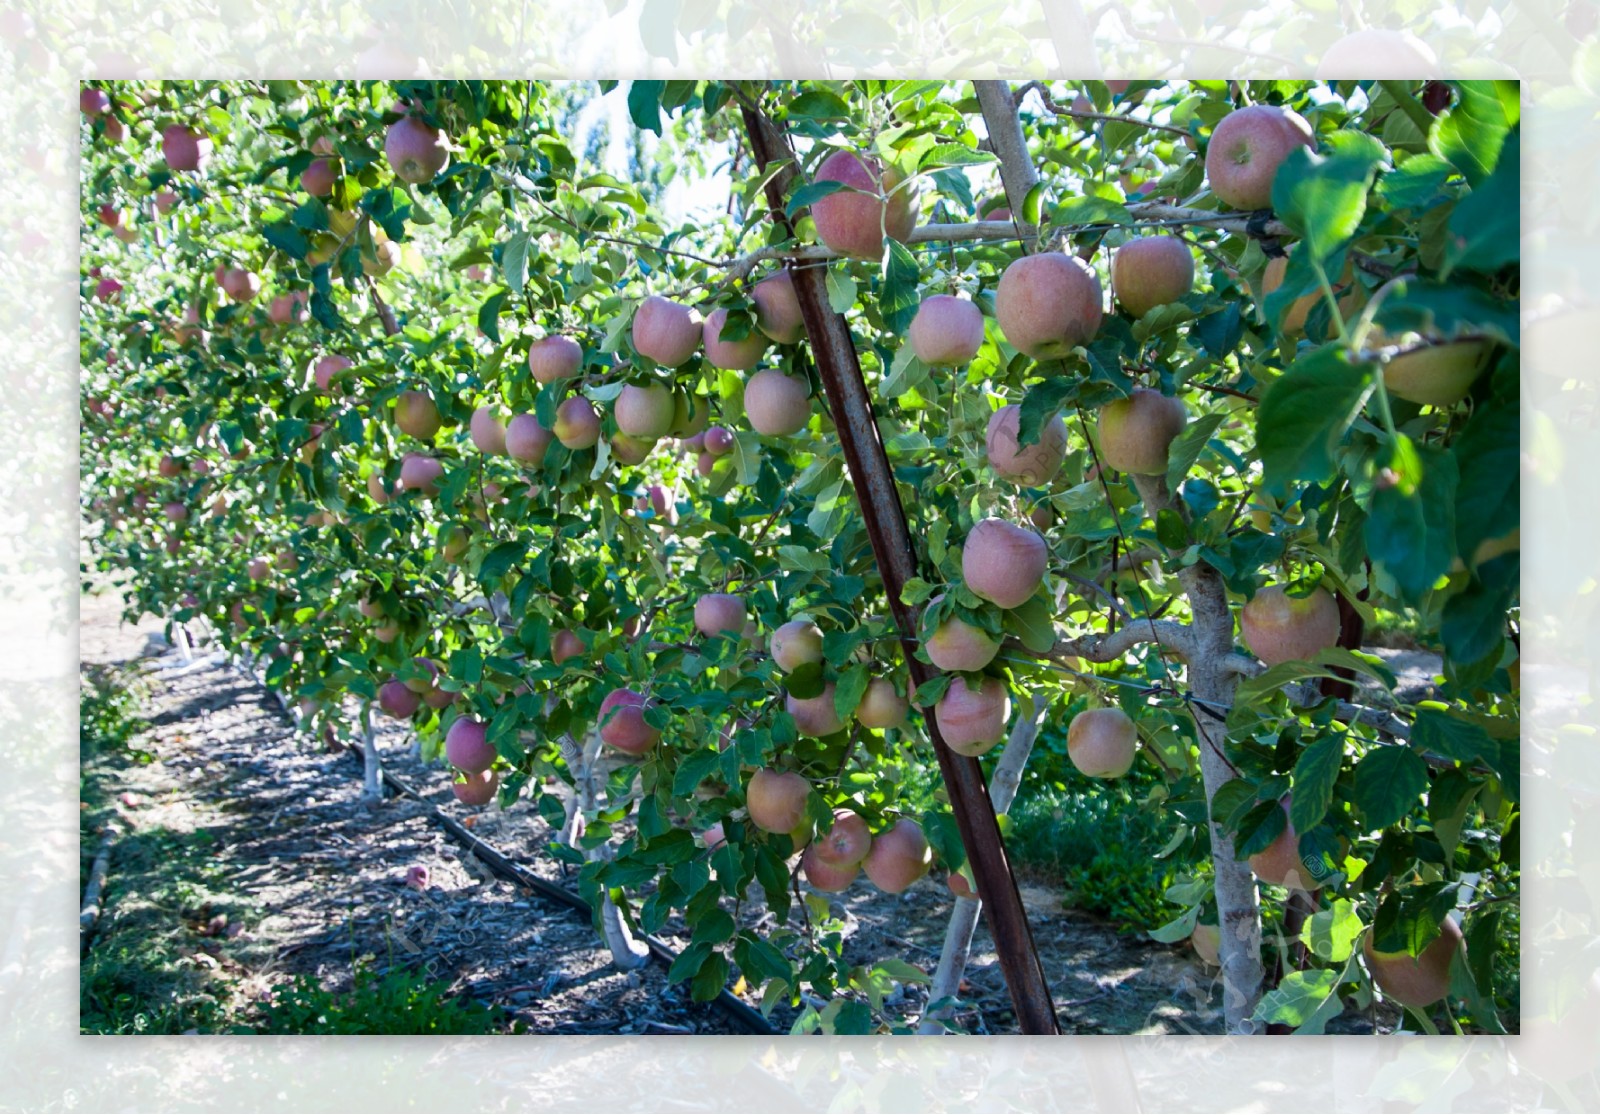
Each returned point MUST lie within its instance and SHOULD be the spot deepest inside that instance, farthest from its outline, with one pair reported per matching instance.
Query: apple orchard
(757, 541)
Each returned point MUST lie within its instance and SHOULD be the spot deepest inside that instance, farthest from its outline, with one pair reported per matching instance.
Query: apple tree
(721, 500)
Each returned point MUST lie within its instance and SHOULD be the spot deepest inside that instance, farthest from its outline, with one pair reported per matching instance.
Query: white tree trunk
(957, 948)
(372, 771)
(1211, 683)
(181, 639)
(626, 952)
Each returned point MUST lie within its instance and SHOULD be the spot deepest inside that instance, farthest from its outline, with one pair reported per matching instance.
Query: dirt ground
(296, 877)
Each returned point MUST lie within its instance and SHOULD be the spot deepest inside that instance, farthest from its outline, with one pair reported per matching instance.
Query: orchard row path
(288, 874)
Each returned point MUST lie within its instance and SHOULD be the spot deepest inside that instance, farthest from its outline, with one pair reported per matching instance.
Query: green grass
(1099, 846)
(401, 1001)
(142, 975)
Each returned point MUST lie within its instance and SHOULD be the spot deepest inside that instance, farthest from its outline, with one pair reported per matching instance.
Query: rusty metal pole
(885, 519)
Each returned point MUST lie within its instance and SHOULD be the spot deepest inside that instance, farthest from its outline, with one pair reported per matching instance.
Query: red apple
(1102, 742)
(854, 221)
(946, 330)
(526, 440)
(577, 424)
(1278, 627)
(622, 722)
(644, 410)
(778, 308)
(777, 404)
(958, 647)
(487, 431)
(1048, 304)
(1136, 432)
(1246, 148)
(815, 717)
(973, 720)
(1151, 271)
(476, 789)
(554, 357)
(416, 152)
(1004, 563)
(881, 707)
(665, 331)
(317, 179)
(184, 149)
(398, 701)
(796, 643)
(719, 613)
(1034, 465)
(421, 473)
(777, 800)
(467, 746)
(735, 355)
(898, 857)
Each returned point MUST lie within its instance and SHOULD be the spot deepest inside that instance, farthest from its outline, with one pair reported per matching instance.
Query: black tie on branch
(881, 511)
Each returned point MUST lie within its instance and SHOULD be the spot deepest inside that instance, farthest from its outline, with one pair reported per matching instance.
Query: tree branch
(1017, 171)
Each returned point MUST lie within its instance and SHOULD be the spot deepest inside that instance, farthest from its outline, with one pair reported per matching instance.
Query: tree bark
(1017, 171)
(1003, 783)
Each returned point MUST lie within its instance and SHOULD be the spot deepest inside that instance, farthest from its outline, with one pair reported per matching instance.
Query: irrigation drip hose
(738, 1012)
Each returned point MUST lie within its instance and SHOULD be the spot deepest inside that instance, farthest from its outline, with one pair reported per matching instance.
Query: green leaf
(1186, 448)
(1416, 183)
(644, 105)
(1305, 1000)
(1486, 226)
(1033, 622)
(805, 681)
(1323, 198)
(693, 770)
(710, 979)
(818, 104)
(1488, 457)
(1388, 783)
(1331, 934)
(287, 239)
(899, 970)
(852, 1018)
(1178, 929)
(1305, 414)
(1316, 772)
(953, 154)
(498, 562)
(929, 692)
(1261, 824)
(809, 194)
(1090, 210)
(1033, 204)
(1470, 135)
(1410, 531)
(841, 290)
(688, 962)
(514, 261)
(489, 315)
(1043, 402)
(944, 837)
(849, 689)
(897, 297)
(1455, 738)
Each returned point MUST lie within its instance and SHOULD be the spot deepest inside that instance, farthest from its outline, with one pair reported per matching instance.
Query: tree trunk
(627, 953)
(1211, 685)
(372, 773)
(957, 948)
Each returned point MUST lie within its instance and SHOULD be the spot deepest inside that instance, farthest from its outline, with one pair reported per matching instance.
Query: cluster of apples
(892, 859)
